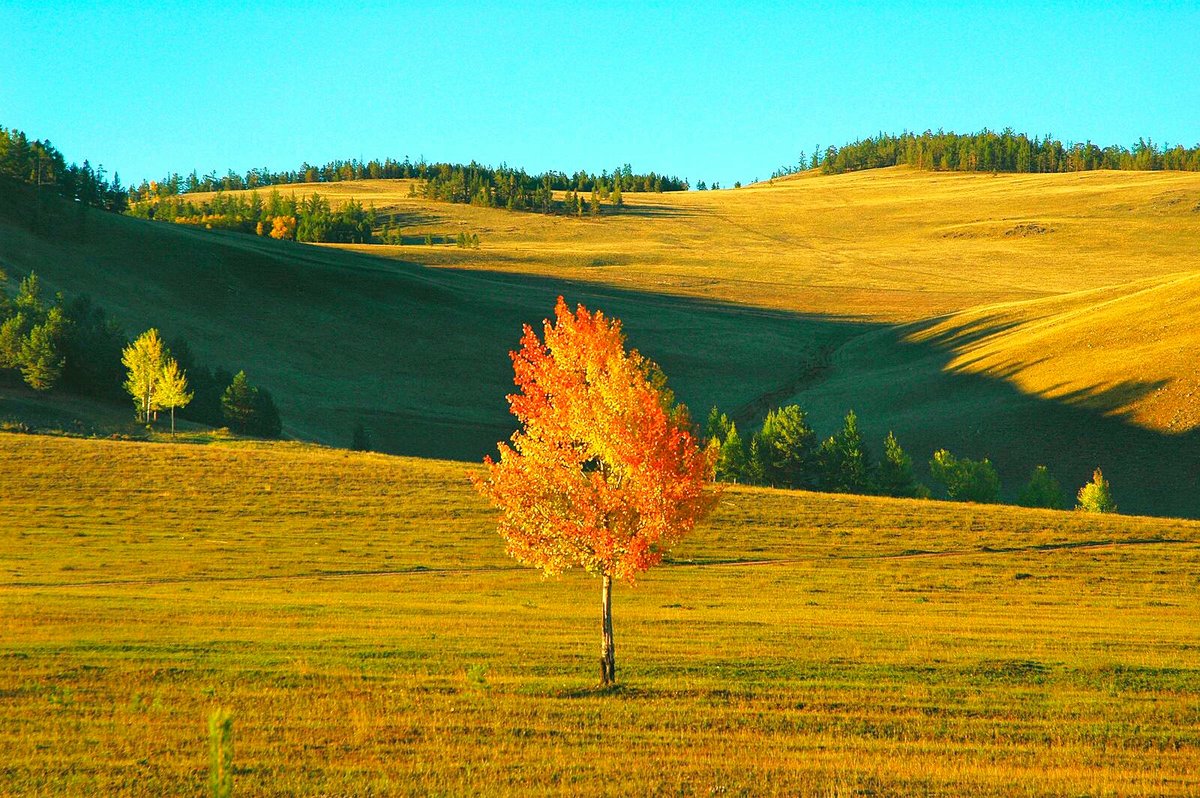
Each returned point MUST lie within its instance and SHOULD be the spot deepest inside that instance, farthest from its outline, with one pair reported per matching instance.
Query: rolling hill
(1028, 318)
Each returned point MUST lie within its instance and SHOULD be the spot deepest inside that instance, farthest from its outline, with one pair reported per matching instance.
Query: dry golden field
(357, 615)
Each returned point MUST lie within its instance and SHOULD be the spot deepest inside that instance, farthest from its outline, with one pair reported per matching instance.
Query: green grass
(357, 614)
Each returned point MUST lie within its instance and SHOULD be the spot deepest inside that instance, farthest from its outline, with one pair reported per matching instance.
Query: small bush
(477, 678)
(220, 754)
(1096, 496)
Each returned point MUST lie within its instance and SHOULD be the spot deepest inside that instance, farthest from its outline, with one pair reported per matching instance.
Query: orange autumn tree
(604, 472)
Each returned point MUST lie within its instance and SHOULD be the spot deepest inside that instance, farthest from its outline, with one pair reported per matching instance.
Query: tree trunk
(172, 421)
(608, 663)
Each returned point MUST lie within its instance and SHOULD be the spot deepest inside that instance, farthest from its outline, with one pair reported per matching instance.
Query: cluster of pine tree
(55, 343)
(1006, 151)
(33, 334)
(38, 163)
(514, 189)
(74, 346)
(308, 219)
(786, 453)
(454, 182)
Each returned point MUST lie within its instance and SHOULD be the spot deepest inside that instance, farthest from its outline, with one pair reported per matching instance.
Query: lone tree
(1096, 496)
(604, 473)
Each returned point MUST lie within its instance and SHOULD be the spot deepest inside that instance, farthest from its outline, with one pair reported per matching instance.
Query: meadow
(1033, 319)
(358, 616)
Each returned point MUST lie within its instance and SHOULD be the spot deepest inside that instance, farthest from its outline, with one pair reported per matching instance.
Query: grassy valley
(358, 615)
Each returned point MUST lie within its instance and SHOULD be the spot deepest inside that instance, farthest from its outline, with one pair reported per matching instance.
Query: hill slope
(956, 309)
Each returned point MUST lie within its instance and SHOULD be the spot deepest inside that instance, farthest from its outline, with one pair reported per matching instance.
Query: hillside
(1029, 318)
(358, 616)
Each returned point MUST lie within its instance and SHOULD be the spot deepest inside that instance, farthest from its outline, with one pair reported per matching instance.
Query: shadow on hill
(410, 218)
(656, 211)
(419, 355)
(909, 387)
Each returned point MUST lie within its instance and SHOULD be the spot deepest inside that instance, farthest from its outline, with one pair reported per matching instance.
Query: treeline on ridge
(284, 217)
(988, 151)
(453, 182)
(38, 163)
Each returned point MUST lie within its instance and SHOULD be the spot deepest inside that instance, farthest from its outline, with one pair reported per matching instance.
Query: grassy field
(1032, 319)
(358, 616)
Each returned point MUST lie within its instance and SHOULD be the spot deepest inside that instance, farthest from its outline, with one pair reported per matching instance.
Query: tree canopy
(604, 472)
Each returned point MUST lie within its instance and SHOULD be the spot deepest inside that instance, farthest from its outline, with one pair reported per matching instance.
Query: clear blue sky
(703, 91)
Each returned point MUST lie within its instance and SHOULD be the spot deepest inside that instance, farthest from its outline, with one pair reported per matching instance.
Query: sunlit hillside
(897, 245)
(1029, 318)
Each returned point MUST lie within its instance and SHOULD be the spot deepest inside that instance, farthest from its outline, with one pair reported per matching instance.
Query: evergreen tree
(756, 461)
(92, 347)
(731, 463)
(895, 473)
(717, 426)
(29, 298)
(265, 422)
(846, 466)
(239, 403)
(12, 340)
(788, 449)
(250, 410)
(41, 361)
(1042, 490)
(1096, 496)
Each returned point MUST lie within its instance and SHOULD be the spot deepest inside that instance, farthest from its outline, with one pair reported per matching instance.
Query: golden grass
(358, 615)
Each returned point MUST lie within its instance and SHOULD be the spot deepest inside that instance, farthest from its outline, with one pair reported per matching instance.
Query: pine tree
(788, 449)
(845, 463)
(265, 421)
(1042, 490)
(238, 403)
(717, 426)
(756, 461)
(41, 361)
(13, 333)
(966, 480)
(29, 297)
(171, 390)
(731, 462)
(895, 474)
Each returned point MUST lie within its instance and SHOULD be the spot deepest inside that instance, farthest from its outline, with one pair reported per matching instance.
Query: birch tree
(144, 360)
